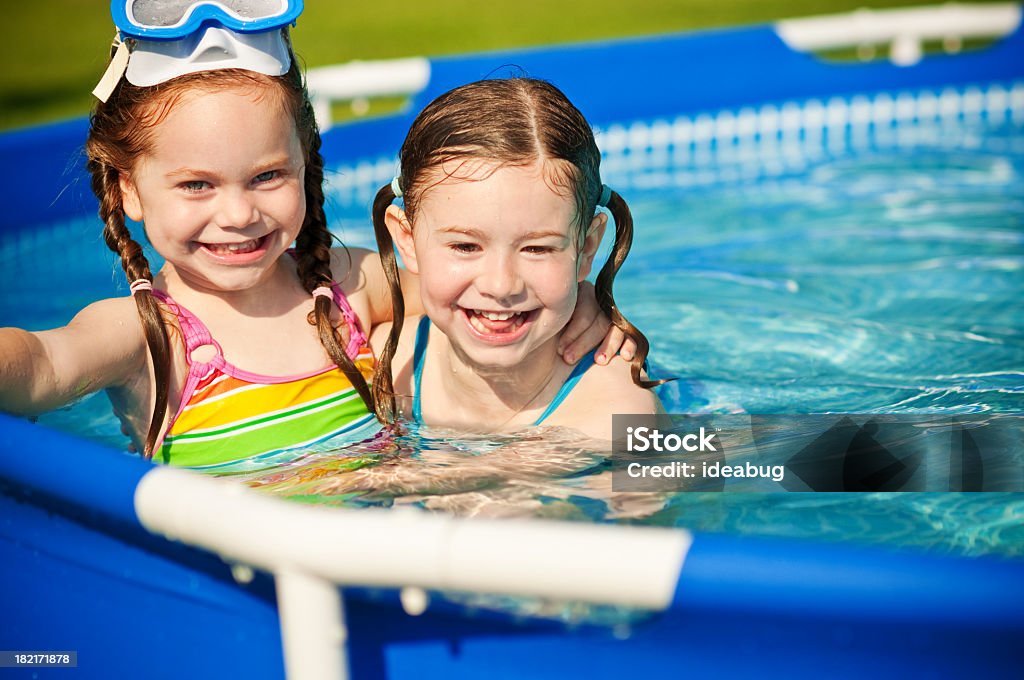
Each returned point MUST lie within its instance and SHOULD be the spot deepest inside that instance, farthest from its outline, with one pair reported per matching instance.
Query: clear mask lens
(165, 13)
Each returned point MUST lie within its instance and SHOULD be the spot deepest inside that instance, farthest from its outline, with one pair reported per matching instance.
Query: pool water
(875, 279)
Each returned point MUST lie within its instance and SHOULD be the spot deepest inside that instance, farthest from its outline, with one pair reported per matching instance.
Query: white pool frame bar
(633, 567)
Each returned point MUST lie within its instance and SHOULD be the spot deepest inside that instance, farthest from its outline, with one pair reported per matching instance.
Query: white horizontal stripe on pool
(219, 429)
(793, 117)
(751, 142)
(567, 561)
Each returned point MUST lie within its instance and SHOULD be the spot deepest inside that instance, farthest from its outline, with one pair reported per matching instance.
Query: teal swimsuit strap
(585, 363)
(422, 336)
(420, 350)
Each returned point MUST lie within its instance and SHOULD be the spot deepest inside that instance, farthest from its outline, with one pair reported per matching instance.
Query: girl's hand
(589, 328)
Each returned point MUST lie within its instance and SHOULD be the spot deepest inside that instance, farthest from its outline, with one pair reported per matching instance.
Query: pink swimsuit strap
(196, 334)
(356, 337)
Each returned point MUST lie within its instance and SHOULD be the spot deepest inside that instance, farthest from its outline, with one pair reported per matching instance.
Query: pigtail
(115, 232)
(606, 278)
(313, 260)
(383, 380)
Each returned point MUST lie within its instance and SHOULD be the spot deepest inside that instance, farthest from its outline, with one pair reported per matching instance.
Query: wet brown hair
(515, 121)
(121, 132)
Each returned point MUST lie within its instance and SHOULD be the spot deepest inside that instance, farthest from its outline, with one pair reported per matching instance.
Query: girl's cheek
(446, 266)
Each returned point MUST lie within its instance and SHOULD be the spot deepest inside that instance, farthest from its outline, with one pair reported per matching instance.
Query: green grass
(54, 51)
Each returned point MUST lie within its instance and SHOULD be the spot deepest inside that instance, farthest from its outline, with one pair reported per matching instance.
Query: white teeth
(476, 319)
(478, 324)
(244, 247)
(496, 316)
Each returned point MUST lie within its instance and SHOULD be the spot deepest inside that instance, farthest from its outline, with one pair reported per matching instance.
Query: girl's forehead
(469, 168)
(239, 112)
(190, 103)
(543, 178)
(182, 102)
(495, 198)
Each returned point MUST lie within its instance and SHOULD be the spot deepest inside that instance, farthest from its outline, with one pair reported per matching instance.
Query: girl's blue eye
(265, 176)
(539, 250)
(464, 247)
(194, 186)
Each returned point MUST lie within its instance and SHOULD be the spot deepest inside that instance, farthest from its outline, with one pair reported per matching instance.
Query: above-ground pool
(810, 238)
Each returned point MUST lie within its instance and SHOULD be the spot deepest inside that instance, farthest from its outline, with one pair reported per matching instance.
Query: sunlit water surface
(869, 282)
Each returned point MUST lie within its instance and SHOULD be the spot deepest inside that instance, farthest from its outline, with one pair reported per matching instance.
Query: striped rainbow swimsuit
(232, 420)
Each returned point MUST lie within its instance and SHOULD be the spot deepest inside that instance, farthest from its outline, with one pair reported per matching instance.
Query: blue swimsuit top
(422, 337)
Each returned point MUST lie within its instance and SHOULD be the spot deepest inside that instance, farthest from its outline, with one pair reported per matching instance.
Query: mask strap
(115, 70)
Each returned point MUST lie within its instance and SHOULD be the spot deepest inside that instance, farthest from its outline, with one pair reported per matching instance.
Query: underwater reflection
(541, 472)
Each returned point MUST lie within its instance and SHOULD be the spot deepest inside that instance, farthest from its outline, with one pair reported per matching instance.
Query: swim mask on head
(161, 39)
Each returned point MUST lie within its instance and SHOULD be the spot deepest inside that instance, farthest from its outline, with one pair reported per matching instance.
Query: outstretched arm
(101, 347)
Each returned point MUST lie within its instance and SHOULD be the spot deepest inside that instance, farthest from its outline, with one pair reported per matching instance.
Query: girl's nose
(236, 209)
(499, 278)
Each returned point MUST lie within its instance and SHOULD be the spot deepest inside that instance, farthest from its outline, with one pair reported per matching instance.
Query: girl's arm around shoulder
(362, 278)
(102, 346)
(602, 392)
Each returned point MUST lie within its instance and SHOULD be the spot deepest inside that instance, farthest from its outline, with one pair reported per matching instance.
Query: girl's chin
(221, 279)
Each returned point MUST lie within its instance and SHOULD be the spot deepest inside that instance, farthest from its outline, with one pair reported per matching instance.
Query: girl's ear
(401, 233)
(590, 244)
(130, 198)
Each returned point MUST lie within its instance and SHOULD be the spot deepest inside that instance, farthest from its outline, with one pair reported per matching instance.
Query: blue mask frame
(202, 13)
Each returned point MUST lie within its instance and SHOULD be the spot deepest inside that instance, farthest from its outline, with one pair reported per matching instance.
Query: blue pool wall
(79, 573)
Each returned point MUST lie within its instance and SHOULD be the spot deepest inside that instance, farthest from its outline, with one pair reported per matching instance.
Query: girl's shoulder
(118, 315)
(602, 392)
(103, 344)
(351, 268)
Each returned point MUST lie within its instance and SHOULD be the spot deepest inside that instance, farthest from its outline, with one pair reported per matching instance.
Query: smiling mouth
(229, 249)
(496, 323)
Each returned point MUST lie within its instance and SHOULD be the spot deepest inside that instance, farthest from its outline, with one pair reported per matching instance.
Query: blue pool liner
(82, 574)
